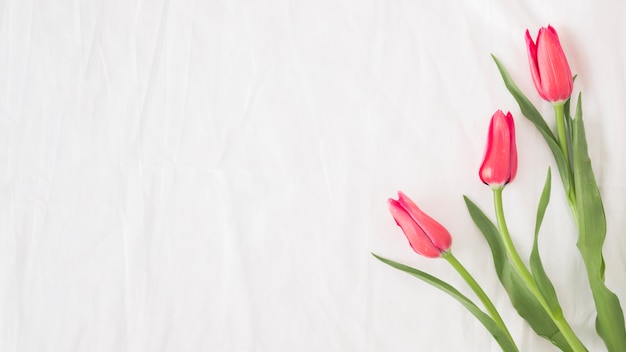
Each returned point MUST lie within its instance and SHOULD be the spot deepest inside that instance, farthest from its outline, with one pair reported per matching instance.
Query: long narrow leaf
(541, 278)
(533, 115)
(527, 306)
(498, 334)
(591, 235)
(568, 118)
(528, 109)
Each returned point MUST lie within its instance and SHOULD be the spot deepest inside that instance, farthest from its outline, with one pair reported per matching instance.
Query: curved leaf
(527, 306)
(498, 334)
(591, 235)
(541, 278)
(533, 115)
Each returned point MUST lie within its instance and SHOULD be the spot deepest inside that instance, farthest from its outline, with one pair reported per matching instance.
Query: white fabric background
(212, 175)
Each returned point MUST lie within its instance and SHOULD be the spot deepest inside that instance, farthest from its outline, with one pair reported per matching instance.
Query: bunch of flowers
(529, 287)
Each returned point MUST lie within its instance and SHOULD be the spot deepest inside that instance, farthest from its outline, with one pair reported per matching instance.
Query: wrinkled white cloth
(213, 175)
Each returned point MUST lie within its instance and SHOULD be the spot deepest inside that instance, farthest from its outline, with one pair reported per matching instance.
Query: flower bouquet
(529, 288)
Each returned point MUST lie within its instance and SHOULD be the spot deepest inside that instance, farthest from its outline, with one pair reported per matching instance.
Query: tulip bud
(500, 163)
(426, 236)
(548, 66)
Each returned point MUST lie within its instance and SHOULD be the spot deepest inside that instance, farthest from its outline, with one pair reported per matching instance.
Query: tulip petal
(418, 240)
(548, 66)
(532, 60)
(551, 29)
(500, 162)
(561, 83)
(512, 144)
(438, 235)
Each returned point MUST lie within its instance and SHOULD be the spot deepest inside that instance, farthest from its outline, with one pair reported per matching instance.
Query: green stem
(516, 260)
(493, 312)
(525, 274)
(559, 114)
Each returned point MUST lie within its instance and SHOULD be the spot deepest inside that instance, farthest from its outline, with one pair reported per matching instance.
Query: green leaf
(526, 304)
(533, 115)
(591, 234)
(568, 118)
(541, 278)
(528, 109)
(491, 234)
(498, 334)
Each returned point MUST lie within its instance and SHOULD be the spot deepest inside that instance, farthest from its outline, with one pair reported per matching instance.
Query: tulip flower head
(426, 236)
(548, 66)
(500, 163)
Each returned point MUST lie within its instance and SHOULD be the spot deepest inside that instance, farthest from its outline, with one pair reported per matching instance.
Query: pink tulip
(426, 236)
(548, 66)
(500, 163)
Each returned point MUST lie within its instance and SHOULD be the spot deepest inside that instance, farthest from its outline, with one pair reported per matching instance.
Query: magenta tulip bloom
(500, 163)
(426, 236)
(548, 66)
